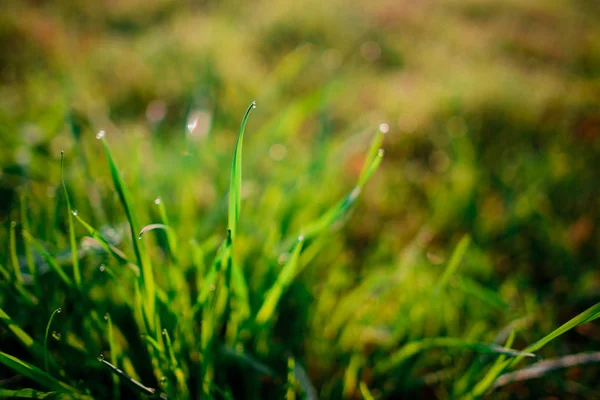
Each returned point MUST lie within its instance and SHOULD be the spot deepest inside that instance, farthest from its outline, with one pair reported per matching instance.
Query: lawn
(376, 200)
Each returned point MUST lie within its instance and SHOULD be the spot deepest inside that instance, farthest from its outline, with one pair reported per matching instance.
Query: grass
(200, 328)
(475, 236)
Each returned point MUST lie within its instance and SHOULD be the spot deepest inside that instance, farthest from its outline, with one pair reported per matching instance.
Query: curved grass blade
(72, 240)
(143, 259)
(34, 373)
(412, 348)
(151, 392)
(49, 259)
(284, 279)
(152, 227)
(310, 392)
(235, 185)
(171, 236)
(46, 339)
(486, 383)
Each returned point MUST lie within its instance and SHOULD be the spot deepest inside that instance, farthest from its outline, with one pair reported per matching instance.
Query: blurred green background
(493, 111)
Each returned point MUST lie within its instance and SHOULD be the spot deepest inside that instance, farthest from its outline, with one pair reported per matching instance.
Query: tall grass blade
(27, 247)
(72, 240)
(235, 185)
(13, 253)
(138, 246)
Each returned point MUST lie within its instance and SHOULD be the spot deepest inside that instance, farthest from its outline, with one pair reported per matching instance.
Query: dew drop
(163, 379)
(58, 310)
(301, 238)
(381, 152)
(75, 212)
(100, 135)
(254, 104)
(192, 125)
(102, 268)
(384, 128)
(157, 201)
(101, 357)
(164, 332)
(106, 317)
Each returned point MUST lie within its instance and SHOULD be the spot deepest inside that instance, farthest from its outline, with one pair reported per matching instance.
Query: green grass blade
(109, 248)
(27, 394)
(152, 227)
(457, 256)
(285, 277)
(151, 392)
(342, 207)
(291, 379)
(49, 258)
(235, 185)
(374, 147)
(13, 253)
(486, 383)
(114, 355)
(27, 247)
(34, 373)
(138, 246)
(413, 348)
(364, 390)
(72, 240)
(46, 355)
(171, 236)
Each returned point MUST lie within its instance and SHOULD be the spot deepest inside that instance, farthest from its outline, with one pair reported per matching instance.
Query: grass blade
(34, 373)
(412, 348)
(13, 253)
(284, 279)
(486, 383)
(235, 185)
(27, 394)
(457, 256)
(28, 252)
(143, 259)
(46, 339)
(73, 242)
(49, 259)
(151, 392)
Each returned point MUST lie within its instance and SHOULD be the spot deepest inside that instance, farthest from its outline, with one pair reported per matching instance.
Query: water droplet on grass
(100, 135)
(164, 332)
(59, 310)
(163, 379)
(106, 317)
(102, 268)
(75, 212)
(384, 128)
(157, 201)
(101, 357)
(254, 104)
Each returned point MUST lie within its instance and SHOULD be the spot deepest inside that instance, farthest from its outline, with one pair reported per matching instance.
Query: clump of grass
(189, 322)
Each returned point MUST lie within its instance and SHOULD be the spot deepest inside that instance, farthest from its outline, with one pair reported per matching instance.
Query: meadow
(362, 200)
